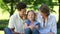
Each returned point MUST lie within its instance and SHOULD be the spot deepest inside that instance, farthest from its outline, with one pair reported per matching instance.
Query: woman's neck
(45, 18)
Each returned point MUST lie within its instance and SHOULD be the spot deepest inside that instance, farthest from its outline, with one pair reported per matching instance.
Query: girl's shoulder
(36, 22)
(27, 22)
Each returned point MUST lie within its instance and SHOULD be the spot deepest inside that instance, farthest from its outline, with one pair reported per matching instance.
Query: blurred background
(8, 7)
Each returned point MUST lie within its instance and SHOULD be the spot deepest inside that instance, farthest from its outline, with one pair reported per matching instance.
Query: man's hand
(15, 33)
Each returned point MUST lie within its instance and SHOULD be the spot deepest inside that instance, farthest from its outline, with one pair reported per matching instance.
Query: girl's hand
(31, 27)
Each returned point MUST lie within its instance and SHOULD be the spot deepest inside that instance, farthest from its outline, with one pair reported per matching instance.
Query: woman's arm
(53, 27)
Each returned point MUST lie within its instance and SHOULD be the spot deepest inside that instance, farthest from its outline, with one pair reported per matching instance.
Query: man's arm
(12, 29)
(11, 25)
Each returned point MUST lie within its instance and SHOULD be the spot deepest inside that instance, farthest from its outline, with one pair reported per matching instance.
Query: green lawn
(1, 32)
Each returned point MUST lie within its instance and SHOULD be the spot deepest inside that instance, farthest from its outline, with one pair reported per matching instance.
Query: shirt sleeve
(54, 26)
(11, 22)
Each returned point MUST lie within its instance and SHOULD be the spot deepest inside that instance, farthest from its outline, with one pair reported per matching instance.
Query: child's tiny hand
(31, 26)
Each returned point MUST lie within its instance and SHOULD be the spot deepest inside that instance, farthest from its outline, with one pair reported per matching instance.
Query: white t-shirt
(17, 23)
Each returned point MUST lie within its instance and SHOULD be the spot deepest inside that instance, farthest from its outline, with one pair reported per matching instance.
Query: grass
(1, 32)
(3, 24)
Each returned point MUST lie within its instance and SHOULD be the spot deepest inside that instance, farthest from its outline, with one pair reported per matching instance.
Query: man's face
(22, 12)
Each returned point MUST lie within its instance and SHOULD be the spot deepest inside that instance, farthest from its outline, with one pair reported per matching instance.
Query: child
(31, 25)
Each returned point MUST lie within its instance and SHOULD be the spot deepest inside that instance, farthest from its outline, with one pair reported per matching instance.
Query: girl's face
(30, 16)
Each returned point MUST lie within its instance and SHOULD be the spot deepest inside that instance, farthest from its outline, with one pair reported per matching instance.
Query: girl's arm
(26, 26)
(37, 26)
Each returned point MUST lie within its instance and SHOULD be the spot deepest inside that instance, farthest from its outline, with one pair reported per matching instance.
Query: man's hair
(21, 5)
(45, 9)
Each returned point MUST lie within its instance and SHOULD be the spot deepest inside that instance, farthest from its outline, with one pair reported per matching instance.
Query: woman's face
(30, 16)
(43, 14)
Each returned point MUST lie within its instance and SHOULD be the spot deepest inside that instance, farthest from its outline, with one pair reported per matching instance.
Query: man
(47, 21)
(16, 21)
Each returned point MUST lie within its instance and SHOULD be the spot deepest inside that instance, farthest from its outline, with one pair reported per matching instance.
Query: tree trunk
(58, 25)
(12, 11)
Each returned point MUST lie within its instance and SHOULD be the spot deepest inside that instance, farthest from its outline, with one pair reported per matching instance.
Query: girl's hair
(33, 12)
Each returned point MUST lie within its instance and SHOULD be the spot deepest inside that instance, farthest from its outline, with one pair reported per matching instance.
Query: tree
(9, 5)
(59, 15)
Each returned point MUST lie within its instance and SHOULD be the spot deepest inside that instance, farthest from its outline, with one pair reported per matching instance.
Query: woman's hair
(33, 12)
(45, 9)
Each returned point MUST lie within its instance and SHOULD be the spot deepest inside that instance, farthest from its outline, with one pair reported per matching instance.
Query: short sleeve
(11, 22)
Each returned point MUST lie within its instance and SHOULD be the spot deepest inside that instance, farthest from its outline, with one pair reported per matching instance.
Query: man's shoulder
(14, 16)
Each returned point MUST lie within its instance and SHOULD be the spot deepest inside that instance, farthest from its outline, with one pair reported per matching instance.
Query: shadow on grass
(3, 24)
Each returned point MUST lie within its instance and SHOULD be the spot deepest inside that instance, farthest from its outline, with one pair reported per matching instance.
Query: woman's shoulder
(52, 16)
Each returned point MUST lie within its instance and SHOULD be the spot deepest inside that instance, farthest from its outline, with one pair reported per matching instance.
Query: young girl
(31, 25)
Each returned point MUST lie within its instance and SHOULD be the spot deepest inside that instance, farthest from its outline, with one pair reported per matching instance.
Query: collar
(42, 16)
(18, 15)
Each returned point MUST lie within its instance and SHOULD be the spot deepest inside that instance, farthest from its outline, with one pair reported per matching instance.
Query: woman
(31, 25)
(46, 20)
